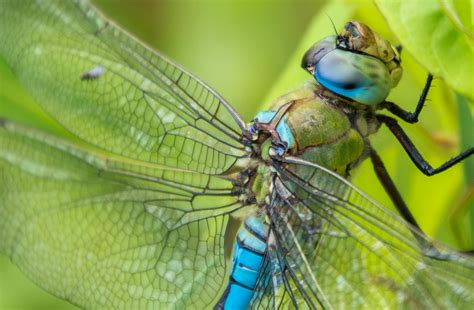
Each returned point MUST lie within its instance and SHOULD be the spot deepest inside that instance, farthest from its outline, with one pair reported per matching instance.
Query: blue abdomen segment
(249, 250)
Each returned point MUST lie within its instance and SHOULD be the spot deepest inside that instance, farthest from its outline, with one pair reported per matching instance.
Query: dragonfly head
(356, 64)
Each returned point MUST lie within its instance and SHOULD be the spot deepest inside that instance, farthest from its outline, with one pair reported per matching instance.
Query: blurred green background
(249, 51)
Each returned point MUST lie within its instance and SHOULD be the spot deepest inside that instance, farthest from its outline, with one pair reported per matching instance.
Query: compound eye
(338, 72)
(362, 78)
(316, 52)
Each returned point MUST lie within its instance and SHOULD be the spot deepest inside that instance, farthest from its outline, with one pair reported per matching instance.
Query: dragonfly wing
(111, 91)
(275, 287)
(342, 249)
(136, 216)
(108, 234)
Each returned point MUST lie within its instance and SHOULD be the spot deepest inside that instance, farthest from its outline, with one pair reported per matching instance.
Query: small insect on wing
(93, 74)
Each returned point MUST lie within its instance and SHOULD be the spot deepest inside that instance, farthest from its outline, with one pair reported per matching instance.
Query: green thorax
(325, 131)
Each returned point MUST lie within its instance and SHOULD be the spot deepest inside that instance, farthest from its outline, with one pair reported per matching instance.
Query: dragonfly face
(357, 64)
(142, 208)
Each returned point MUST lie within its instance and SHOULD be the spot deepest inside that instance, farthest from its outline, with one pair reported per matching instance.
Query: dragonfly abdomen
(249, 250)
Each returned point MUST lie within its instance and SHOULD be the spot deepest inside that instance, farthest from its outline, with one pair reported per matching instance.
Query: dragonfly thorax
(308, 125)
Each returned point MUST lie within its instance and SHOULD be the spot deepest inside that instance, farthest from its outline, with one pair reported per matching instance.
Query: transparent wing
(111, 91)
(275, 287)
(136, 218)
(109, 234)
(340, 249)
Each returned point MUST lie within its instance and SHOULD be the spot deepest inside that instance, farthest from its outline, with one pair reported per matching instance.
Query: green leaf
(460, 12)
(426, 30)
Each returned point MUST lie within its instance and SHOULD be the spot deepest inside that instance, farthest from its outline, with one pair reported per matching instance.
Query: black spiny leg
(415, 156)
(410, 117)
(391, 189)
(397, 199)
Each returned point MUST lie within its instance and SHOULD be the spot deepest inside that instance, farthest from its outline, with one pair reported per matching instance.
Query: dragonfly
(162, 196)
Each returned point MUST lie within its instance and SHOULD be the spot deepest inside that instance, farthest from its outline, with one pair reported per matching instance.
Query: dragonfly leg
(410, 117)
(414, 154)
(391, 189)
